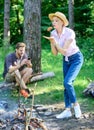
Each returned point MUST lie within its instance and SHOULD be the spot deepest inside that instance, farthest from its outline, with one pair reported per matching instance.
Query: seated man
(17, 68)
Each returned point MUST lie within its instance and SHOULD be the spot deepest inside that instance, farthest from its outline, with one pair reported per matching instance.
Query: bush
(87, 47)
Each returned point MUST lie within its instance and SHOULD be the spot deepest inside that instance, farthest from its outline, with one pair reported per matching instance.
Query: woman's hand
(51, 39)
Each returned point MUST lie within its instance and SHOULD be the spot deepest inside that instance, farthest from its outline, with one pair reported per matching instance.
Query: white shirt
(66, 34)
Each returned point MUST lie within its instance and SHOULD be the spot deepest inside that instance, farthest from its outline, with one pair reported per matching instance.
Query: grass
(50, 90)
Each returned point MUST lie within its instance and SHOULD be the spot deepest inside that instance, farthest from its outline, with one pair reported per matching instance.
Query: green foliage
(1, 21)
(53, 7)
(87, 46)
(83, 12)
(16, 21)
(84, 18)
(84, 23)
(4, 50)
(83, 15)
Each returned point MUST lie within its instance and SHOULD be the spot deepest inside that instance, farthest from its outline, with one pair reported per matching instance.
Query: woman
(62, 40)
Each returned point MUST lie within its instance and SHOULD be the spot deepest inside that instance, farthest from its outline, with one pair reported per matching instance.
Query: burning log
(16, 127)
(37, 123)
(2, 124)
(33, 122)
(43, 126)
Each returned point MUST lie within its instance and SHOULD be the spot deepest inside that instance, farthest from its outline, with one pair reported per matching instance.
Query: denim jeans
(71, 69)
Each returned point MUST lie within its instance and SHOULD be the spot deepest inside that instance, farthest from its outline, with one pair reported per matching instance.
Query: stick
(28, 120)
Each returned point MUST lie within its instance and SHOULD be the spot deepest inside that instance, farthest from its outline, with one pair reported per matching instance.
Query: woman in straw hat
(62, 40)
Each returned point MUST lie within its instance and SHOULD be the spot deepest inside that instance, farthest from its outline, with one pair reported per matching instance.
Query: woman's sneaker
(77, 111)
(65, 114)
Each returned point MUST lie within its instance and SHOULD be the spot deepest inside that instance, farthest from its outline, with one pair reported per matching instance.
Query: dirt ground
(85, 123)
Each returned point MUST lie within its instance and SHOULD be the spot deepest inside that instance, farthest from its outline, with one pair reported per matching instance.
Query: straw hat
(59, 15)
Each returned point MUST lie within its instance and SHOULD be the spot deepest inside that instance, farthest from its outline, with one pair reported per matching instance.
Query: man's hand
(28, 62)
(23, 62)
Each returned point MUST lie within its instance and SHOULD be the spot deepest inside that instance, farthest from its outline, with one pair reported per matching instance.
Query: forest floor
(86, 122)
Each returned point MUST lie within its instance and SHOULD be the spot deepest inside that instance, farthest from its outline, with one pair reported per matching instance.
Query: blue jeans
(71, 69)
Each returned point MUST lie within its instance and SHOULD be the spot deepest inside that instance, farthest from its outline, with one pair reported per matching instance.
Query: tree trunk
(6, 22)
(71, 14)
(32, 32)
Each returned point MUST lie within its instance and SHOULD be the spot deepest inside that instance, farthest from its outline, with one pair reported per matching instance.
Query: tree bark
(6, 22)
(42, 76)
(32, 32)
(71, 14)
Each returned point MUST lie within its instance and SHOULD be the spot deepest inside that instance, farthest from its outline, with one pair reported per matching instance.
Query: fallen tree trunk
(89, 91)
(34, 78)
(42, 76)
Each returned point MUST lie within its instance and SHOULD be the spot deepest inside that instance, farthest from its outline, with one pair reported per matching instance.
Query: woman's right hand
(51, 39)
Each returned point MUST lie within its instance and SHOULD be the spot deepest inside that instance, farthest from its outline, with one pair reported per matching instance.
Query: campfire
(21, 117)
